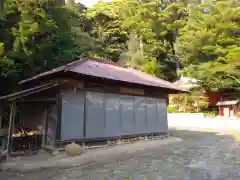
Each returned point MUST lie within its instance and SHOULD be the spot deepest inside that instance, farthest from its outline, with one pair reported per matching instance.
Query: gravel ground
(201, 156)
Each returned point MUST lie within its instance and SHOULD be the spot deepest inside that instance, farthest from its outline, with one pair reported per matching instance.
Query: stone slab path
(200, 156)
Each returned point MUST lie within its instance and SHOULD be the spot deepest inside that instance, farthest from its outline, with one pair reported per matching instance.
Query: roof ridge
(106, 61)
(74, 63)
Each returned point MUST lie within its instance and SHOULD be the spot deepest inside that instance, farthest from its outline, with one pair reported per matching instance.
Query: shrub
(171, 109)
(210, 113)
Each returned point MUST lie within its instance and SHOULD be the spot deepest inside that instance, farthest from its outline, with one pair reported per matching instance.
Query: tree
(192, 102)
(209, 45)
(104, 24)
(37, 35)
(154, 23)
(150, 35)
(134, 57)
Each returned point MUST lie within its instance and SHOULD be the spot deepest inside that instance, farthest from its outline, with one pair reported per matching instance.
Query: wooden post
(85, 115)
(11, 127)
(1, 114)
(2, 141)
(44, 137)
(59, 104)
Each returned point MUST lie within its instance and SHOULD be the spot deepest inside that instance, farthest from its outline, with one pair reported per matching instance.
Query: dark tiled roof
(110, 70)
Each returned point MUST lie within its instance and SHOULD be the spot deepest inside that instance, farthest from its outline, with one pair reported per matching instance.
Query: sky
(88, 3)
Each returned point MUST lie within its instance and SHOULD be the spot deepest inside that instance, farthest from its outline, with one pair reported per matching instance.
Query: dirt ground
(201, 156)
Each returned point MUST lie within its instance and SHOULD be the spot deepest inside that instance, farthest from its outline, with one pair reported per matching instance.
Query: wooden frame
(124, 89)
(11, 127)
(38, 100)
(2, 131)
(59, 142)
(134, 91)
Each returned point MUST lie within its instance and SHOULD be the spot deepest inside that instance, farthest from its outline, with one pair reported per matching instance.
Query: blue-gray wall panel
(95, 115)
(162, 115)
(112, 115)
(72, 115)
(152, 112)
(127, 115)
(140, 114)
(109, 115)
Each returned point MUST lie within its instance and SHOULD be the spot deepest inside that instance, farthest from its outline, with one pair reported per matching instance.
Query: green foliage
(38, 35)
(192, 102)
(149, 35)
(171, 109)
(210, 113)
(134, 57)
(141, 33)
(208, 45)
(105, 26)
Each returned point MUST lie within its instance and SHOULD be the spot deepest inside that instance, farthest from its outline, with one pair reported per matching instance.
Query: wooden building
(91, 100)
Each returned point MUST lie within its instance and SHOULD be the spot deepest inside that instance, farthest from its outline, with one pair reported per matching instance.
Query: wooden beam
(38, 100)
(11, 127)
(135, 91)
(27, 92)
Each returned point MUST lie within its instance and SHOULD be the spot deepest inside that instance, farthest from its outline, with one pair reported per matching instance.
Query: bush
(171, 109)
(210, 113)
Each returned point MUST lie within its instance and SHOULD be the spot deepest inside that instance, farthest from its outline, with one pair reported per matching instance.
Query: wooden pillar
(59, 117)
(1, 126)
(11, 127)
(85, 115)
(1, 115)
(45, 127)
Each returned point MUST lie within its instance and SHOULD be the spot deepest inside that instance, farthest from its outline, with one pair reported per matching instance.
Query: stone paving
(201, 156)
